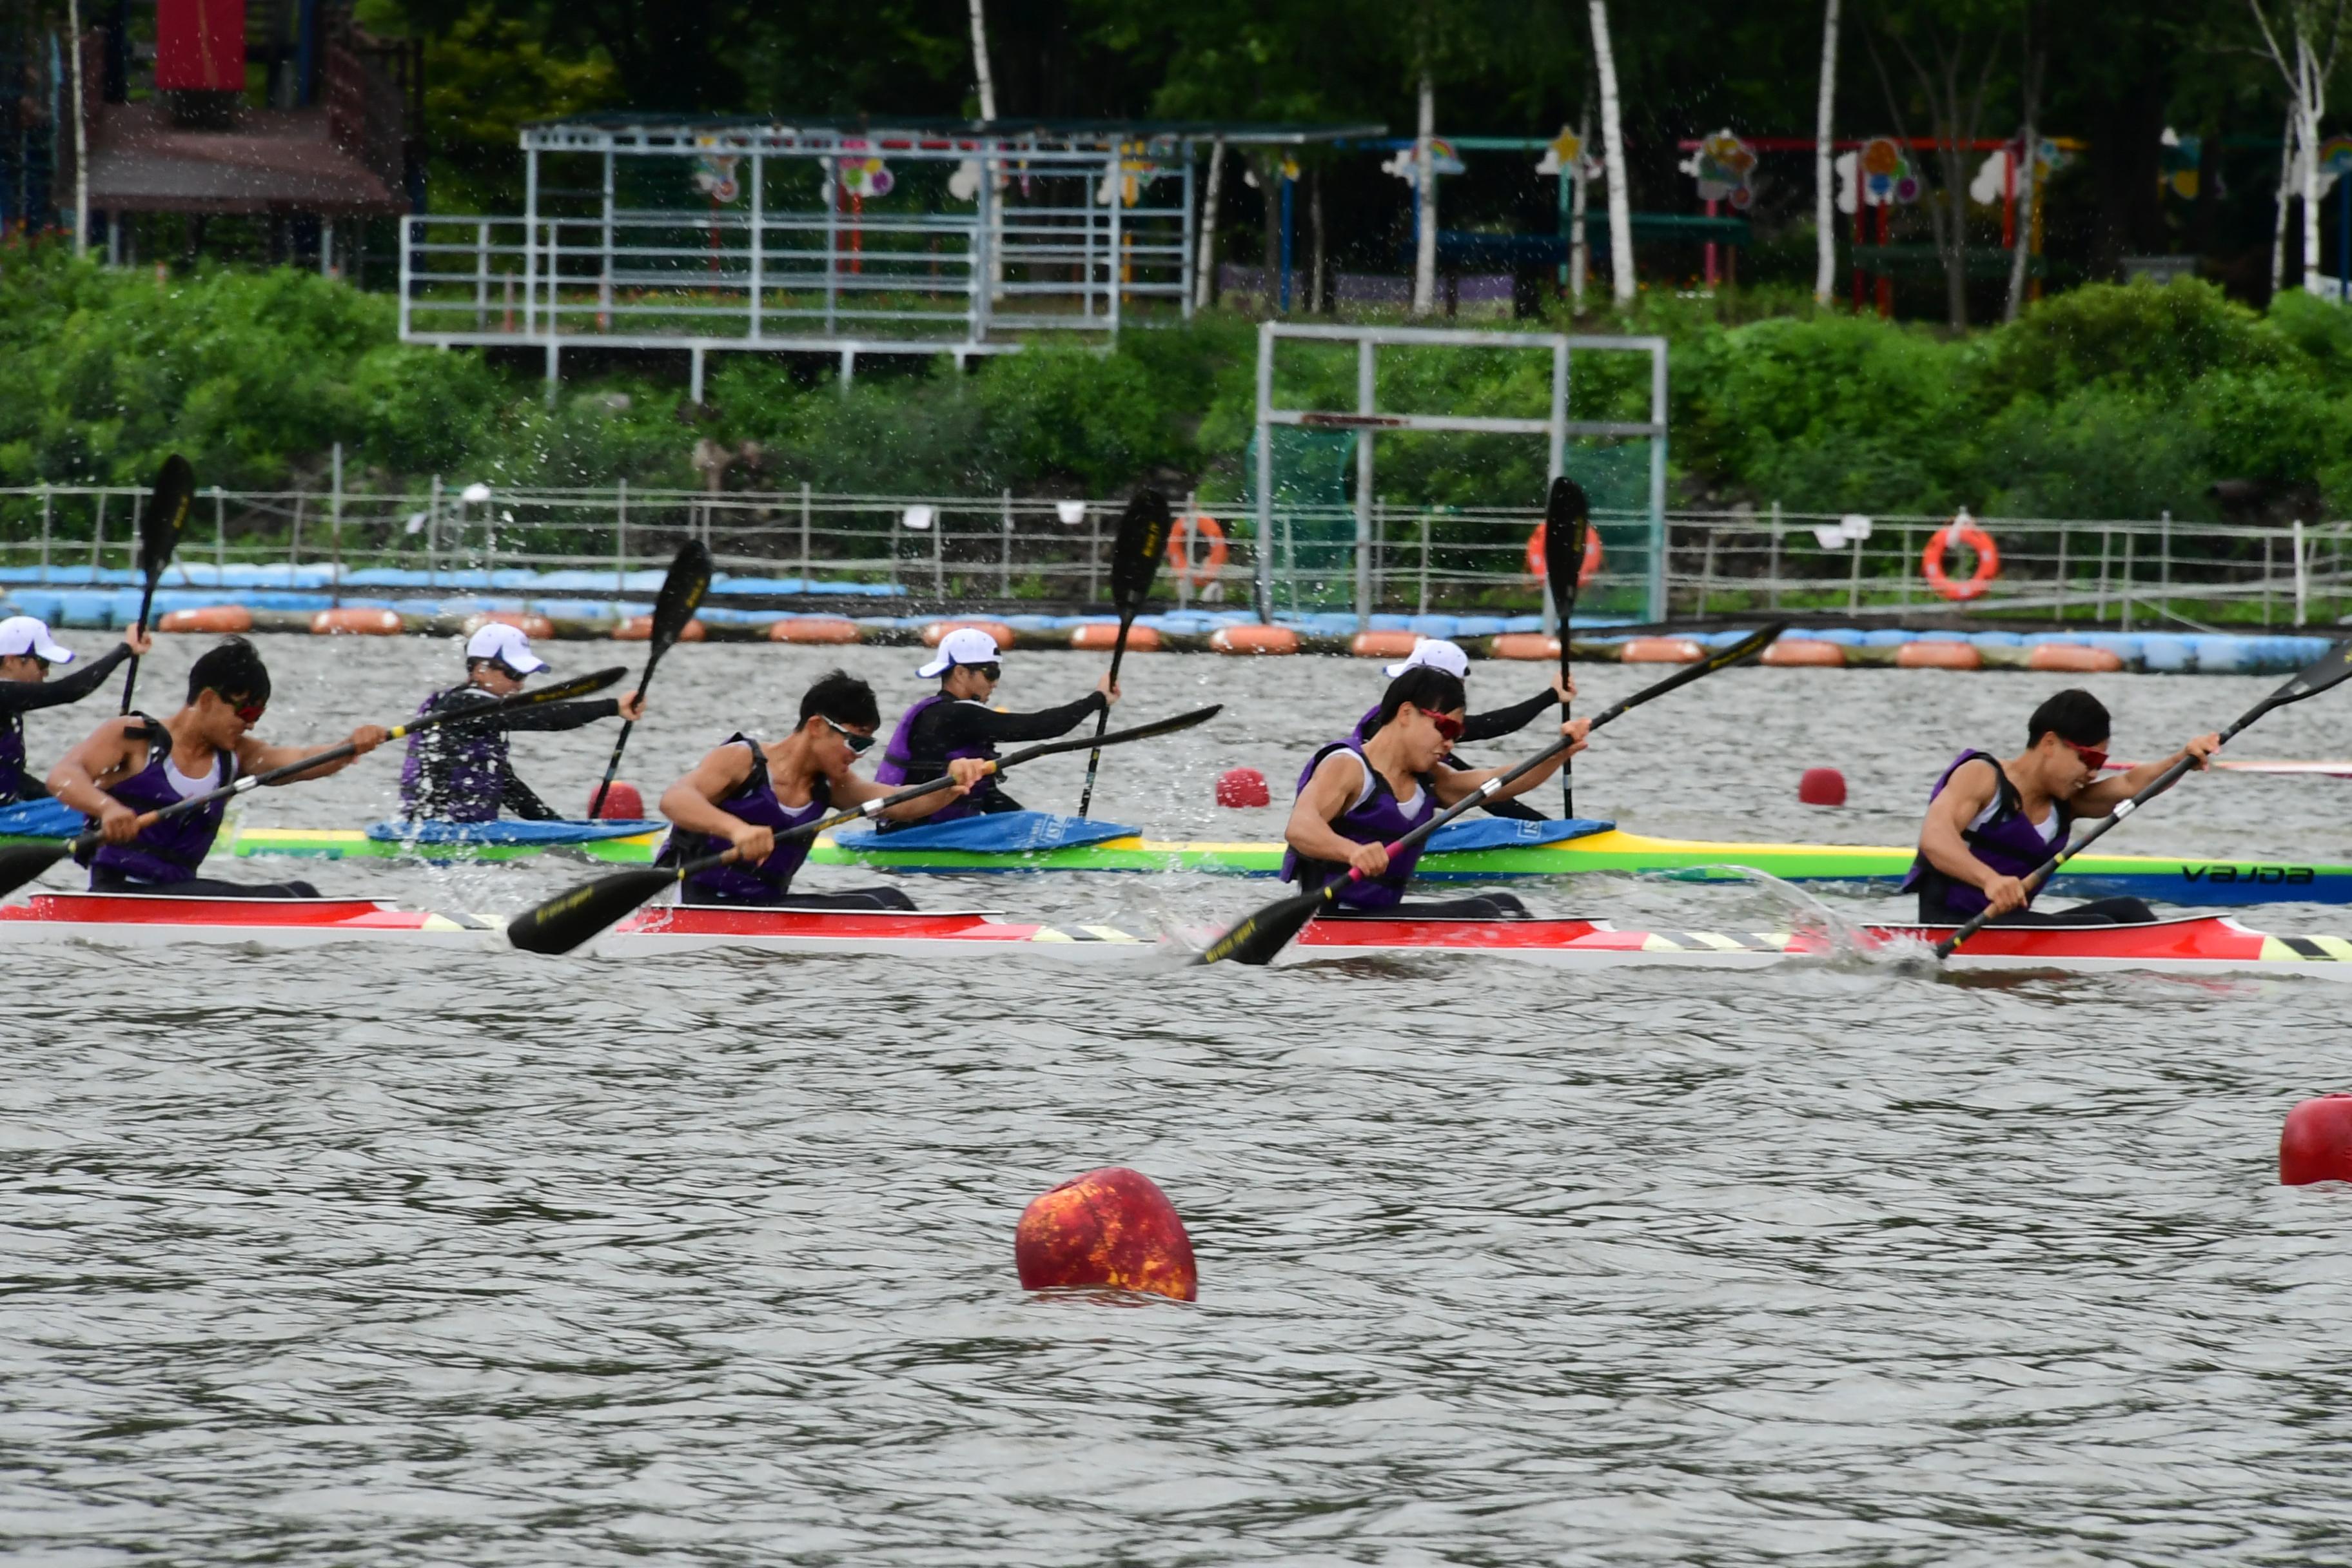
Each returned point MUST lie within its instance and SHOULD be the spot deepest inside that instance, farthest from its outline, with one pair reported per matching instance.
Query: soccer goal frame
(1366, 420)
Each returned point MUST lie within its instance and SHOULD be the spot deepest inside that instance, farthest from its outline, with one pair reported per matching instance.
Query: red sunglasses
(2092, 759)
(1449, 727)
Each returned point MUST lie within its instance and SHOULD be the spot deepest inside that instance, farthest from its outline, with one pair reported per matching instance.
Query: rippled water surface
(390, 1257)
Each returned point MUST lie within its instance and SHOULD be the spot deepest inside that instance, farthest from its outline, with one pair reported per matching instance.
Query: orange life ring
(1931, 559)
(1179, 549)
(1536, 566)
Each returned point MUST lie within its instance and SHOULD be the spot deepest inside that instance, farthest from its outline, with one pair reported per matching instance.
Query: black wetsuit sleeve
(558, 715)
(1508, 720)
(519, 799)
(961, 724)
(23, 696)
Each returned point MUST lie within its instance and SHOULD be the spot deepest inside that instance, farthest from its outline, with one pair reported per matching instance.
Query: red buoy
(1821, 786)
(1242, 787)
(621, 802)
(1108, 1229)
(2315, 1145)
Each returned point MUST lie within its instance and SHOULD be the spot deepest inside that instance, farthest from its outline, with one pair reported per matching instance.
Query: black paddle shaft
(2309, 681)
(1567, 521)
(1143, 532)
(681, 596)
(158, 538)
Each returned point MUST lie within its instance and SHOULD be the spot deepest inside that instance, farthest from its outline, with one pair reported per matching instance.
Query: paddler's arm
(2100, 797)
(1511, 721)
(260, 757)
(25, 696)
(108, 752)
(692, 803)
(1966, 793)
(1450, 787)
(964, 723)
(572, 715)
(849, 789)
(1329, 793)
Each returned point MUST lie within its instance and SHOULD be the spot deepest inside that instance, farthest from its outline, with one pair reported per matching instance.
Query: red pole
(856, 235)
(1710, 248)
(1885, 279)
(1857, 241)
(2008, 199)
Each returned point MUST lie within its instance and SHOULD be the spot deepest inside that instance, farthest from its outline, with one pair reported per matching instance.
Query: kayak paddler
(1355, 796)
(956, 723)
(1437, 653)
(26, 652)
(744, 792)
(1992, 822)
(135, 764)
(461, 771)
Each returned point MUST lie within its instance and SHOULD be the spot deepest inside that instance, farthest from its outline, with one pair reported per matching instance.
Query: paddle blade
(566, 921)
(1143, 531)
(2329, 670)
(681, 592)
(166, 515)
(20, 863)
(1568, 519)
(1259, 938)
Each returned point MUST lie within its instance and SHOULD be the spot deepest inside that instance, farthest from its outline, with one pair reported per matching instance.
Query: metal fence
(1011, 551)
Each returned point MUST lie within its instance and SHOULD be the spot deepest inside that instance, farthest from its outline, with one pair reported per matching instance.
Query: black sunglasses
(992, 670)
(856, 743)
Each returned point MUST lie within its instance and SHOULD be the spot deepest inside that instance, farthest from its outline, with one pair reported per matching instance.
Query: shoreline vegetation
(2108, 401)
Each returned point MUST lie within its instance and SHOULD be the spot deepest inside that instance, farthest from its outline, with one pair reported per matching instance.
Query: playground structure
(822, 236)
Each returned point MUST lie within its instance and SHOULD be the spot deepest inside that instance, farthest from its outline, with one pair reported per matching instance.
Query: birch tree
(1612, 139)
(2028, 160)
(2303, 39)
(1935, 42)
(1424, 194)
(1824, 162)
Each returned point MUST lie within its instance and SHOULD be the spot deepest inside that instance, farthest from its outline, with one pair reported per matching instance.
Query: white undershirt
(187, 788)
(1406, 804)
(2047, 827)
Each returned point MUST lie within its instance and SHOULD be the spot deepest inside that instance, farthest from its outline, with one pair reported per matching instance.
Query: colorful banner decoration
(1139, 165)
(1722, 166)
(861, 174)
(2176, 164)
(1887, 176)
(1442, 159)
(1566, 154)
(714, 176)
(2336, 155)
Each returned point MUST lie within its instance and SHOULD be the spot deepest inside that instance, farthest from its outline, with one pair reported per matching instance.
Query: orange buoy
(812, 629)
(2074, 658)
(1108, 1229)
(640, 628)
(528, 623)
(622, 803)
(1243, 787)
(1963, 532)
(1805, 653)
(1382, 644)
(1821, 786)
(1524, 644)
(1095, 636)
(997, 629)
(1200, 573)
(2315, 1144)
(1255, 639)
(1537, 567)
(231, 618)
(356, 623)
(1939, 656)
(1661, 650)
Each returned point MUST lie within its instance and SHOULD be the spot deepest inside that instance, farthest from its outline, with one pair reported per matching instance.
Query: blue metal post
(2344, 238)
(1288, 186)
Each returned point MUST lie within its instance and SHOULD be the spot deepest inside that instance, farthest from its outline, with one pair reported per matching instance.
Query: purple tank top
(754, 800)
(458, 771)
(900, 765)
(2009, 841)
(172, 850)
(12, 756)
(1378, 818)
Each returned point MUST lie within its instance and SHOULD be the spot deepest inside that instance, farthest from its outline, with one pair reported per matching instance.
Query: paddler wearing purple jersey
(1437, 653)
(136, 765)
(461, 771)
(956, 723)
(1992, 822)
(1356, 796)
(26, 652)
(746, 792)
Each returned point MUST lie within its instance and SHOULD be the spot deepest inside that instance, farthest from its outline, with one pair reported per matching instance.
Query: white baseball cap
(1437, 654)
(965, 645)
(23, 635)
(507, 645)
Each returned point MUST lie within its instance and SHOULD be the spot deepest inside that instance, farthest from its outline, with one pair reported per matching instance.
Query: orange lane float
(1382, 644)
(1805, 653)
(1966, 534)
(1199, 573)
(640, 628)
(1108, 1229)
(1096, 636)
(231, 618)
(353, 623)
(623, 803)
(1532, 646)
(996, 629)
(528, 623)
(819, 629)
(1254, 639)
(2074, 658)
(1939, 656)
(2315, 1144)
(1661, 650)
